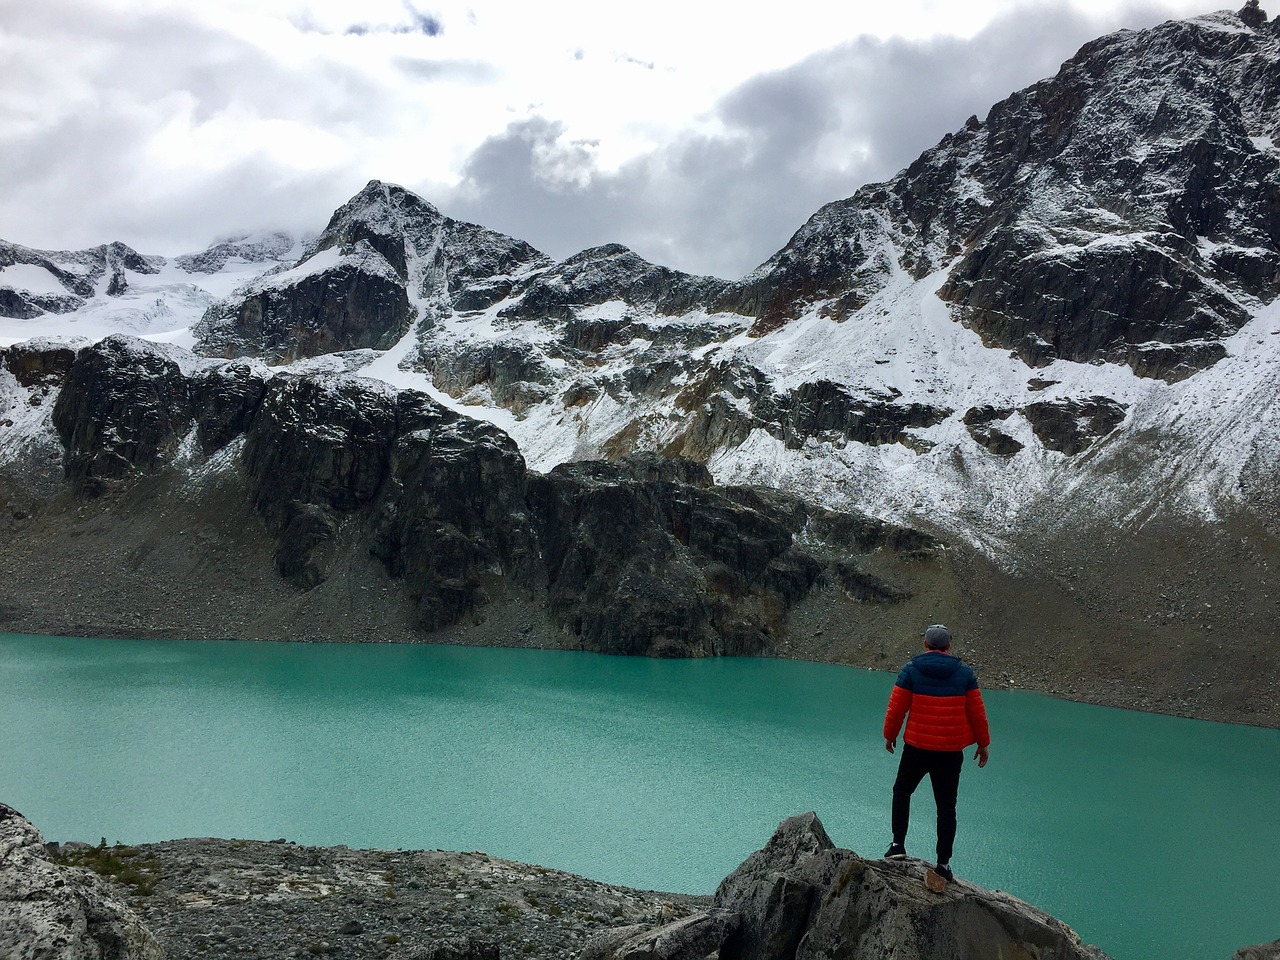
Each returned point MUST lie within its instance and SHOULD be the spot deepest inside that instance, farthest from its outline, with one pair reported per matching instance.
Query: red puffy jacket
(939, 697)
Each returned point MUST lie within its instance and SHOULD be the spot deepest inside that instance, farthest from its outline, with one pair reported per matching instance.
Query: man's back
(939, 697)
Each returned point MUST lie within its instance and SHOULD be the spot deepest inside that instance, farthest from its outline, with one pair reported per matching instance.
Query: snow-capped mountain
(1094, 259)
(114, 289)
(1047, 352)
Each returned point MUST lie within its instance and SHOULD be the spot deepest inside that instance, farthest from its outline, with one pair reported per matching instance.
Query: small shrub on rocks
(122, 864)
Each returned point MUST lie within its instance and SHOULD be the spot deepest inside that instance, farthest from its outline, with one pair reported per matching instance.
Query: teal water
(1154, 837)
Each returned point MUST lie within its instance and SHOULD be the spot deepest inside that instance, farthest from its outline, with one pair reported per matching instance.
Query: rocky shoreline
(208, 898)
(797, 898)
(199, 899)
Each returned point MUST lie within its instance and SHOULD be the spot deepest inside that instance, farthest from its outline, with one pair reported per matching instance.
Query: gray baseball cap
(937, 637)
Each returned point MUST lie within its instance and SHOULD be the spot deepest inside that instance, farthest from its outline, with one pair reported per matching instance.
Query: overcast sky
(701, 134)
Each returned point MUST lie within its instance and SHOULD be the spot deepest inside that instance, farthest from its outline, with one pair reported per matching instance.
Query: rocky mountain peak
(62, 281)
(1124, 210)
(385, 216)
(386, 259)
(611, 272)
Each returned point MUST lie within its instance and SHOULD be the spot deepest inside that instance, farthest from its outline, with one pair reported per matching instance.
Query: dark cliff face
(124, 408)
(642, 563)
(356, 302)
(39, 362)
(644, 556)
(1162, 226)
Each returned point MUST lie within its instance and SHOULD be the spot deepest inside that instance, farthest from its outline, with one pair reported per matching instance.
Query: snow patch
(32, 278)
(326, 259)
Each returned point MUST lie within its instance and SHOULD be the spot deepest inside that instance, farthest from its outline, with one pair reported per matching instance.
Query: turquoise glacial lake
(1154, 837)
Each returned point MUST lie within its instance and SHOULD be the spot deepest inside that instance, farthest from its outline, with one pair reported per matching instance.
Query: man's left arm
(899, 704)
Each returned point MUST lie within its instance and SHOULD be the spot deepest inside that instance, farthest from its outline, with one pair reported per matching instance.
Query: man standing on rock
(938, 696)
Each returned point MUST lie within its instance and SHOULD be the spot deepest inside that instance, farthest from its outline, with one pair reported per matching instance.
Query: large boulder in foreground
(53, 912)
(801, 898)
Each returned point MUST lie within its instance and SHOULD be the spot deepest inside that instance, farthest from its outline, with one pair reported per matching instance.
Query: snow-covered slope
(113, 289)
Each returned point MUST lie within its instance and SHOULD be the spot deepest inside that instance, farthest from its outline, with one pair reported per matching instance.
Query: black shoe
(944, 872)
(896, 851)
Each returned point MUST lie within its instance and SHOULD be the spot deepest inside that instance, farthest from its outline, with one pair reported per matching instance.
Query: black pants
(943, 768)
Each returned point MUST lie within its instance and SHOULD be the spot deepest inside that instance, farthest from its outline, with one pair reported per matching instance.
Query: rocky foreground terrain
(798, 898)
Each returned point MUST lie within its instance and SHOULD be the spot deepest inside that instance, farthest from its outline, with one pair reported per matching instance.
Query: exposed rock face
(801, 898)
(253, 249)
(454, 512)
(824, 408)
(355, 301)
(612, 272)
(1127, 209)
(1070, 426)
(642, 556)
(224, 401)
(1264, 951)
(638, 563)
(39, 362)
(49, 912)
(980, 422)
(516, 374)
(723, 406)
(842, 256)
(1155, 279)
(125, 407)
(699, 935)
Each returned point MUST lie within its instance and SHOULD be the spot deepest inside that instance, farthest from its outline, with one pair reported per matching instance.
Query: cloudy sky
(700, 133)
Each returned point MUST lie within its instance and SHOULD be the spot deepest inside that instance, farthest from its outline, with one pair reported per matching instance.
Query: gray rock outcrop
(802, 898)
(1263, 951)
(51, 912)
(1071, 426)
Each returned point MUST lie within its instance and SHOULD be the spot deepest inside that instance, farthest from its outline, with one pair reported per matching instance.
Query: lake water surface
(1154, 837)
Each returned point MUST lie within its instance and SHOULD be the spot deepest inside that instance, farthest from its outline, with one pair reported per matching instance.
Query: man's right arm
(976, 711)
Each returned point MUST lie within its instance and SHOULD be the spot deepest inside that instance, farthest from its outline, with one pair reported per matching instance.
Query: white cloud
(700, 133)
